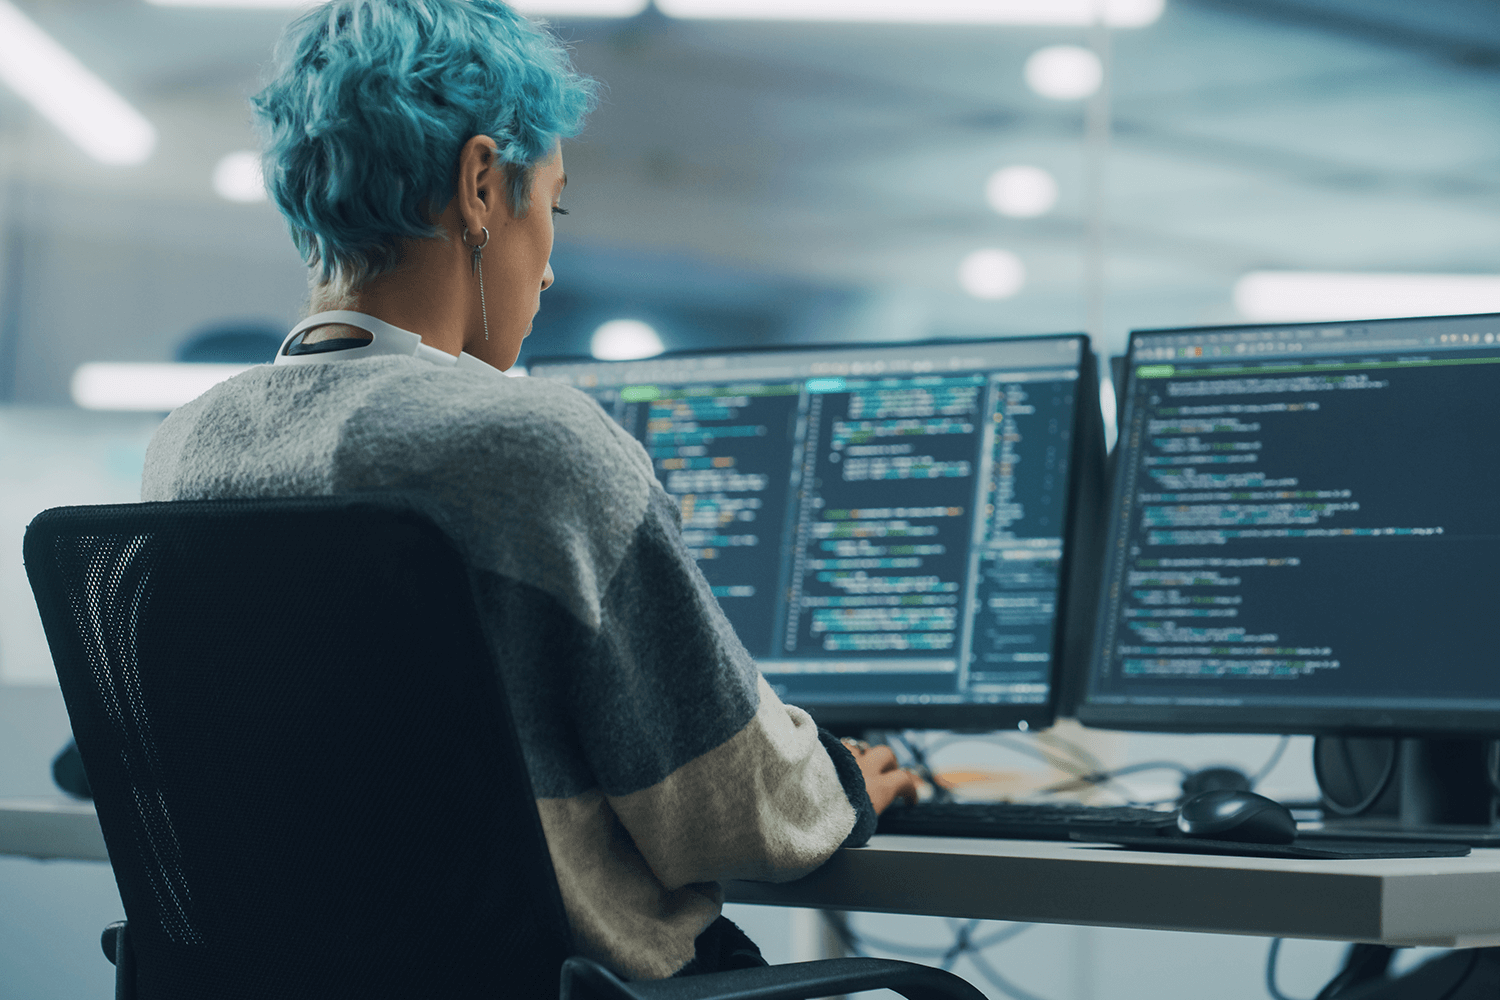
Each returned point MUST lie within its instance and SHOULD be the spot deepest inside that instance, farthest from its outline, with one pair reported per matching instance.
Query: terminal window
(882, 529)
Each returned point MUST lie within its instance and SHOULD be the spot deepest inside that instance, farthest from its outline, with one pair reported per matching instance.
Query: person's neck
(420, 296)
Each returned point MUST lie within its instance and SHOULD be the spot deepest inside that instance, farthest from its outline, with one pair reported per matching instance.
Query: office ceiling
(838, 170)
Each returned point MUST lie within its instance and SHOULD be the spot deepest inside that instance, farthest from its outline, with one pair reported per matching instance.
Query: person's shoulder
(538, 482)
(530, 422)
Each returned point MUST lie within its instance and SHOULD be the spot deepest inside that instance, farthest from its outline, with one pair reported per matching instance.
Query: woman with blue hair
(414, 148)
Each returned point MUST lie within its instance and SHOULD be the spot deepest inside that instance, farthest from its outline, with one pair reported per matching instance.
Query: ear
(481, 188)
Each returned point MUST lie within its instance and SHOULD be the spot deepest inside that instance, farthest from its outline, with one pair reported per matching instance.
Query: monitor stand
(1446, 794)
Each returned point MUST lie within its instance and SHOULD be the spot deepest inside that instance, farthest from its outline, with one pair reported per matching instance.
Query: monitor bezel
(858, 718)
(1416, 721)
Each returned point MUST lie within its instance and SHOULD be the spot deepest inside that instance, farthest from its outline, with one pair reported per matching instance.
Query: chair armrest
(583, 979)
(110, 939)
(116, 944)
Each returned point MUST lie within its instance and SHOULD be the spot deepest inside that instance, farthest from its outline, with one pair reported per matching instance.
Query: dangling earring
(476, 266)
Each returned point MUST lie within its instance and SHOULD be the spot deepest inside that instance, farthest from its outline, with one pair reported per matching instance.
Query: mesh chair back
(304, 766)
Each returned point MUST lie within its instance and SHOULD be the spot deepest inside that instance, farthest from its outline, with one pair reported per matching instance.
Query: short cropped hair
(370, 103)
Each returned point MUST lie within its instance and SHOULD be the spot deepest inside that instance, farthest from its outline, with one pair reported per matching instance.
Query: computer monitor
(891, 528)
(1304, 532)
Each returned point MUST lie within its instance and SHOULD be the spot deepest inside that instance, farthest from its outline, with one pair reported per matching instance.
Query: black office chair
(305, 768)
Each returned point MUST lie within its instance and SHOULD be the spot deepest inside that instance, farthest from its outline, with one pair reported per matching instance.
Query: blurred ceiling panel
(852, 158)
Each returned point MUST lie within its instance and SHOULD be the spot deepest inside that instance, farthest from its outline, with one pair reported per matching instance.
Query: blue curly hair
(370, 103)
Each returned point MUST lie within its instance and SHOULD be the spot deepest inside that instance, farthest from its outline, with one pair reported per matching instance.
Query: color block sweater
(661, 760)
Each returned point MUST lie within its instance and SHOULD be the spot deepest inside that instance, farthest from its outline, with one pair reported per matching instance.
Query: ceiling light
(237, 177)
(1021, 192)
(547, 8)
(992, 274)
(150, 388)
(64, 92)
(1064, 72)
(625, 340)
(1116, 13)
(240, 4)
(1311, 295)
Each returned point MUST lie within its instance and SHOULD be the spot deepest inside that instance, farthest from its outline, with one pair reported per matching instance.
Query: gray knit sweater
(661, 760)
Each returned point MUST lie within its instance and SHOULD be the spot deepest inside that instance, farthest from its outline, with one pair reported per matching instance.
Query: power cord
(995, 979)
(1364, 963)
(1270, 764)
(1462, 980)
(1097, 778)
(1271, 955)
(1083, 768)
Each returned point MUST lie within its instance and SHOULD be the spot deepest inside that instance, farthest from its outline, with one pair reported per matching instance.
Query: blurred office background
(758, 172)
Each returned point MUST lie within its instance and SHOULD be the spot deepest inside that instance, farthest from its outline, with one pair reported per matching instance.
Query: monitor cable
(1463, 980)
(1273, 953)
(1099, 778)
(967, 943)
(1058, 753)
(1363, 964)
(916, 761)
(1082, 767)
(1270, 764)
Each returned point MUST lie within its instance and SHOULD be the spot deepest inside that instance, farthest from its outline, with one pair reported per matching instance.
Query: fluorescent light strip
(236, 4)
(1314, 296)
(535, 8)
(1116, 13)
(64, 92)
(1066, 13)
(579, 8)
(147, 388)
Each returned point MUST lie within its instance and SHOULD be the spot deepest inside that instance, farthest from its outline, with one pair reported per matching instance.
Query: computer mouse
(1236, 815)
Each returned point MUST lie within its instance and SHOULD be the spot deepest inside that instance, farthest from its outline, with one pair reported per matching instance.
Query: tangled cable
(966, 944)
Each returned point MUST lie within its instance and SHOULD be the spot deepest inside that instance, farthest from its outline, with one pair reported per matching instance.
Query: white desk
(1451, 902)
(51, 828)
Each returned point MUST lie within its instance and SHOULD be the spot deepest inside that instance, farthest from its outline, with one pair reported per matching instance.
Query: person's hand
(884, 780)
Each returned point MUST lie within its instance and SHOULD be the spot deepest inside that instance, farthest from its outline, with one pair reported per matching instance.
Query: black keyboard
(1025, 820)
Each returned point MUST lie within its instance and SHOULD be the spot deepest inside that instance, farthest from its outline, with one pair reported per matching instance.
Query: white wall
(51, 912)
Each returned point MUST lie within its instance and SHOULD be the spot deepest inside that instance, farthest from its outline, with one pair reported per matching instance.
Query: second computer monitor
(886, 527)
(1305, 532)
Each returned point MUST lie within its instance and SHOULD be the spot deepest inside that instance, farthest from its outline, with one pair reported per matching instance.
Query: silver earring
(476, 267)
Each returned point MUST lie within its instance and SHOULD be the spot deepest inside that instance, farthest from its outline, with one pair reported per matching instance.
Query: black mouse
(1236, 815)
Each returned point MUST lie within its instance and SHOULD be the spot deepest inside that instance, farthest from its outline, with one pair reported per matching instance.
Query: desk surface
(51, 829)
(1452, 902)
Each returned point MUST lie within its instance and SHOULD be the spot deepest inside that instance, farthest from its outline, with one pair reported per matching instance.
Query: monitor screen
(1305, 531)
(884, 525)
